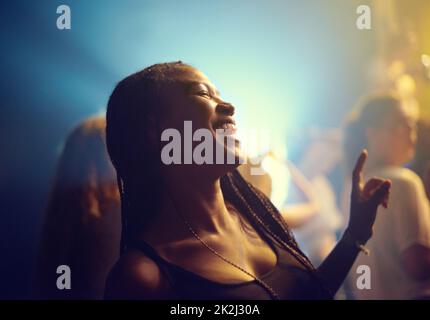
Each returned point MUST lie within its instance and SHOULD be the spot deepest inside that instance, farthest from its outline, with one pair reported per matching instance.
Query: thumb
(381, 194)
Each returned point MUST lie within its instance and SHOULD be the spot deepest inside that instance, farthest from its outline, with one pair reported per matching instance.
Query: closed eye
(204, 93)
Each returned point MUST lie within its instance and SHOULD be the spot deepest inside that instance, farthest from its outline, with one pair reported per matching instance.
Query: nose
(413, 133)
(225, 108)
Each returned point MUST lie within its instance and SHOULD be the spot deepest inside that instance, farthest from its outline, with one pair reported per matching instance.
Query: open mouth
(225, 126)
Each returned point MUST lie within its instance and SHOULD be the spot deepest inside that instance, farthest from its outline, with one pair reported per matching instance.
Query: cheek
(400, 143)
(199, 112)
(385, 140)
(187, 110)
(404, 138)
(388, 143)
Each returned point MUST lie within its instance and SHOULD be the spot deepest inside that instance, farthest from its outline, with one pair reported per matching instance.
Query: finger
(381, 195)
(371, 186)
(357, 173)
(385, 201)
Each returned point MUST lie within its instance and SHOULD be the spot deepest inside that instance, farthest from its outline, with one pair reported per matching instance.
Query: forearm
(298, 214)
(365, 200)
(336, 266)
(302, 185)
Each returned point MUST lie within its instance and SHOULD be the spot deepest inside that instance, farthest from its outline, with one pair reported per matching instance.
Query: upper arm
(135, 276)
(411, 216)
(412, 226)
(415, 261)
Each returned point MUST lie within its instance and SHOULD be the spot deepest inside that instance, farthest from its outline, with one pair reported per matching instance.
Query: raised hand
(365, 199)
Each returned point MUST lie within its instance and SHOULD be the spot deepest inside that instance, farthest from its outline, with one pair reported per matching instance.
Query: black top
(289, 279)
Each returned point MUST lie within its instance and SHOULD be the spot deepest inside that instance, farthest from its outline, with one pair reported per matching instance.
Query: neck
(200, 203)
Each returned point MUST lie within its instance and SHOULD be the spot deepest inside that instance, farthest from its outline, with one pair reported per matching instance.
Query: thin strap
(149, 251)
(164, 265)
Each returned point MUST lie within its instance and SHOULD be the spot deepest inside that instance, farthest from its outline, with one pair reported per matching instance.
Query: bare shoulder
(404, 178)
(136, 276)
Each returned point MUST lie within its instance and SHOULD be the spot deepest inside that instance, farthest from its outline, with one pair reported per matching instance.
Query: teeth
(227, 129)
(228, 126)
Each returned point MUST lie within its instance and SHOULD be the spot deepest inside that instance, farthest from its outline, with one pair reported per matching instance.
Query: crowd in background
(82, 225)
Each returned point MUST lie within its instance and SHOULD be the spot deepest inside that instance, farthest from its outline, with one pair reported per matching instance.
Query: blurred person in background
(317, 153)
(399, 258)
(82, 223)
(421, 163)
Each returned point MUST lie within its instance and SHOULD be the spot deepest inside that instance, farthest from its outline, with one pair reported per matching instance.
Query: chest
(218, 258)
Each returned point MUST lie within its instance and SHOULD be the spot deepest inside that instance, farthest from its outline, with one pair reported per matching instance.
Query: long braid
(123, 243)
(264, 215)
(134, 100)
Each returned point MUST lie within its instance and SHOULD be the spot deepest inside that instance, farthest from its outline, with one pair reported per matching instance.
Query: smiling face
(193, 97)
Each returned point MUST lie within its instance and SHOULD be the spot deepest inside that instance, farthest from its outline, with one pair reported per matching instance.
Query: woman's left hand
(365, 200)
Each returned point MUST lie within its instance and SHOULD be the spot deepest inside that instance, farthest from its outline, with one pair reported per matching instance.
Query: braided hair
(133, 105)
